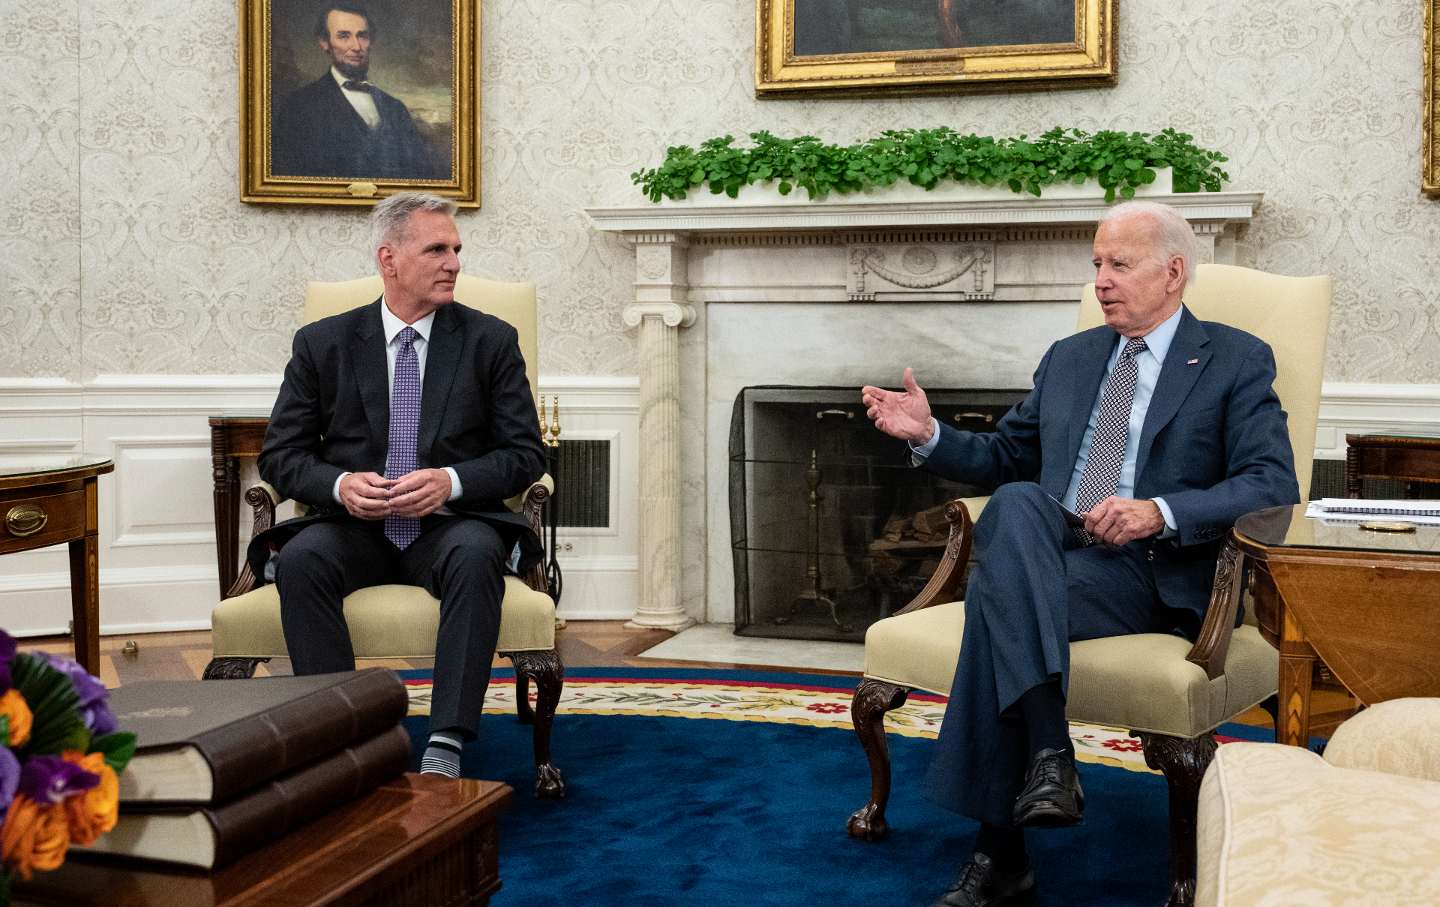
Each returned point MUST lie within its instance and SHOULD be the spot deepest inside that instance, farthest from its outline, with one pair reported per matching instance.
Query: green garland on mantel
(1119, 161)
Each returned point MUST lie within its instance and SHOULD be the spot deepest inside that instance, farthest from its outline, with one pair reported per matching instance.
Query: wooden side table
(1405, 458)
(232, 438)
(1365, 603)
(420, 839)
(53, 500)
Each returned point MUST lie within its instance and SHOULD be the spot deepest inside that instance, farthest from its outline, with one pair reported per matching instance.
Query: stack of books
(1355, 510)
(223, 767)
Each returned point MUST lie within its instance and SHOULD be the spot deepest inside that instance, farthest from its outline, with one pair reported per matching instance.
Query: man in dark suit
(404, 424)
(1160, 430)
(341, 125)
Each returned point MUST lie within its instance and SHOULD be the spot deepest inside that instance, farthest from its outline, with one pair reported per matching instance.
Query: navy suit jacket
(332, 415)
(316, 132)
(1214, 444)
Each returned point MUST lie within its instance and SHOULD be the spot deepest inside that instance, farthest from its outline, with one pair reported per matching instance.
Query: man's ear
(385, 257)
(1175, 274)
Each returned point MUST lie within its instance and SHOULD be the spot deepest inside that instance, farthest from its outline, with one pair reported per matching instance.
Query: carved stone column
(660, 310)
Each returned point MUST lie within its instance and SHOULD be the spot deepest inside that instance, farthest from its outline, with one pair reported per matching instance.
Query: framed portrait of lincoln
(814, 47)
(348, 102)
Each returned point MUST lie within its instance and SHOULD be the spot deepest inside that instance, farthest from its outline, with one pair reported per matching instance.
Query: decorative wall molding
(157, 555)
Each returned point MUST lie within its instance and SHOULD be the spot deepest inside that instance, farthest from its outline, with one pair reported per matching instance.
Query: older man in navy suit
(1160, 431)
(342, 125)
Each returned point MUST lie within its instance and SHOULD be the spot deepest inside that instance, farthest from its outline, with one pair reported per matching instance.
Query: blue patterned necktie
(1112, 427)
(404, 432)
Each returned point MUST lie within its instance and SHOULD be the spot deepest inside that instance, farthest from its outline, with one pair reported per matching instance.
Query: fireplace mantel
(1004, 266)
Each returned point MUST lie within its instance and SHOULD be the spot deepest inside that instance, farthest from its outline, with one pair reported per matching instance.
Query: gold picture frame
(819, 47)
(347, 103)
(1430, 144)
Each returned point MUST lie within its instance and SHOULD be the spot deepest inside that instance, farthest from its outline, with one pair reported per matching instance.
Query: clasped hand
(1119, 521)
(371, 496)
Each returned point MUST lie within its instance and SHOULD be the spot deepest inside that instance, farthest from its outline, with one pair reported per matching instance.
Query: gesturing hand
(900, 414)
(420, 493)
(366, 495)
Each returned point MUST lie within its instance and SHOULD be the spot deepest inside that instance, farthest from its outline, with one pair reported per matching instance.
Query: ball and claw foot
(867, 823)
(549, 783)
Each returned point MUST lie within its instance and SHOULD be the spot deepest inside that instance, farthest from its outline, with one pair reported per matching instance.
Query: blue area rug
(751, 810)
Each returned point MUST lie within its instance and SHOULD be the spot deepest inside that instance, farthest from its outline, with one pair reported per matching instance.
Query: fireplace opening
(831, 528)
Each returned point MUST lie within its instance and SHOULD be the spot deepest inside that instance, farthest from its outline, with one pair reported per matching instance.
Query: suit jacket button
(1150, 554)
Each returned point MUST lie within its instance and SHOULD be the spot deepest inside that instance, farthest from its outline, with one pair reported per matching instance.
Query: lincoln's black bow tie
(353, 85)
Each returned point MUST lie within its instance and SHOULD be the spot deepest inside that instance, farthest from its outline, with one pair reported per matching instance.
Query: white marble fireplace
(967, 290)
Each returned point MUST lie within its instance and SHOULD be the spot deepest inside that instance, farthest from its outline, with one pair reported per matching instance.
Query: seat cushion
(1141, 682)
(1279, 825)
(385, 622)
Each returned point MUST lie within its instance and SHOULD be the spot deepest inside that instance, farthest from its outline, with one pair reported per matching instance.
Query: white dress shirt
(1148, 363)
(362, 101)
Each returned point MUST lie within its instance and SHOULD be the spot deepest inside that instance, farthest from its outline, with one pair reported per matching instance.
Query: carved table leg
(873, 698)
(226, 475)
(549, 676)
(231, 668)
(1183, 761)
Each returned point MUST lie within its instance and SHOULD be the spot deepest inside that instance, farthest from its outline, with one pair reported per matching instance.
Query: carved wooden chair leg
(549, 676)
(523, 712)
(1183, 761)
(231, 668)
(873, 698)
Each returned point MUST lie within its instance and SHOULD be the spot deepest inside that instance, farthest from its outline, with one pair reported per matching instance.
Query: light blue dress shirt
(1148, 363)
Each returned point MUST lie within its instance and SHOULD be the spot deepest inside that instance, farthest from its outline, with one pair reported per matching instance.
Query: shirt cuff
(920, 452)
(335, 491)
(1170, 528)
(454, 483)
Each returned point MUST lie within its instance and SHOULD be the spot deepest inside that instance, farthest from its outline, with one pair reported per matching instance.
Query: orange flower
(13, 706)
(33, 836)
(92, 813)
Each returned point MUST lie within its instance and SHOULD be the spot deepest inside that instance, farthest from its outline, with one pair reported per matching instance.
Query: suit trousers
(1034, 589)
(458, 560)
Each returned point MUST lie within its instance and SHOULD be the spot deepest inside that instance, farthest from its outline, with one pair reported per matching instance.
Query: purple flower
(9, 779)
(49, 779)
(92, 708)
(7, 652)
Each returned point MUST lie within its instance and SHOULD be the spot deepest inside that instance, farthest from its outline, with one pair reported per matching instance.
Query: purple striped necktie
(404, 432)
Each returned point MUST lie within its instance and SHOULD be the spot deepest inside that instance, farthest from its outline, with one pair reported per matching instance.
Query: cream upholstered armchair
(1280, 825)
(396, 621)
(1170, 693)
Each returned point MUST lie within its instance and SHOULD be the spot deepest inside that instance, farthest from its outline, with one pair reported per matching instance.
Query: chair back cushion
(513, 303)
(1292, 314)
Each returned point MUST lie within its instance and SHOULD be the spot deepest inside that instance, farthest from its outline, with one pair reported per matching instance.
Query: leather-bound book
(215, 835)
(200, 742)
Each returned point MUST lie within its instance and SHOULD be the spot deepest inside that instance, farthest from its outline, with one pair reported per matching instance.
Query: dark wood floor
(607, 643)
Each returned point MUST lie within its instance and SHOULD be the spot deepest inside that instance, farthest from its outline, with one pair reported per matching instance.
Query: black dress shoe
(981, 884)
(1052, 795)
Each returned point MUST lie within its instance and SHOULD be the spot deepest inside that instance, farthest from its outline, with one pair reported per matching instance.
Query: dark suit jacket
(1214, 444)
(317, 133)
(333, 415)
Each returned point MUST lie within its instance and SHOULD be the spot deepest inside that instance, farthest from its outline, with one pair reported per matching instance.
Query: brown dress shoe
(1052, 795)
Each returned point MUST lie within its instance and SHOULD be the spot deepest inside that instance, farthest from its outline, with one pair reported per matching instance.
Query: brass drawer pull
(964, 417)
(25, 519)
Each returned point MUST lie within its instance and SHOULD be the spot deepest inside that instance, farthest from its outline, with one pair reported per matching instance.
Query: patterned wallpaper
(124, 249)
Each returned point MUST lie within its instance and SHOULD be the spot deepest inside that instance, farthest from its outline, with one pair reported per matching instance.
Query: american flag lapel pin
(1193, 362)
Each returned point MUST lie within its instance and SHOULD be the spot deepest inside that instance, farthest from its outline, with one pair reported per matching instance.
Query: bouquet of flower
(60, 759)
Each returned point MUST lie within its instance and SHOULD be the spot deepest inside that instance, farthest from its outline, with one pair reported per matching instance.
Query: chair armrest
(1399, 737)
(531, 500)
(949, 577)
(1213, 642)
(263, 499)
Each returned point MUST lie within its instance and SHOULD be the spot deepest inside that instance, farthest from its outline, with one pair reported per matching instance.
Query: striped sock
(442, 755)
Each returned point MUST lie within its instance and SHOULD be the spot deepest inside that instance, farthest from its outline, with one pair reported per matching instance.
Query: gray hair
(388, 219)
(1173, 234)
